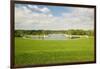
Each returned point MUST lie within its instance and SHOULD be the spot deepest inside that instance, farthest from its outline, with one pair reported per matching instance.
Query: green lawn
(28, 51)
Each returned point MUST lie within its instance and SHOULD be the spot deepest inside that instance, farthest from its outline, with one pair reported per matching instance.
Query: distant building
(55, 37)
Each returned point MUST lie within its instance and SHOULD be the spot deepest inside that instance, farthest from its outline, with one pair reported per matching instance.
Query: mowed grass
(34, 52)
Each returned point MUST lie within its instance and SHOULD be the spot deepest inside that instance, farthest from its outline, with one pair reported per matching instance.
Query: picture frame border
(12, 40)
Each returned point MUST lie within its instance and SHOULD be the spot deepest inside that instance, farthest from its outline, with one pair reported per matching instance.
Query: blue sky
(36, 17)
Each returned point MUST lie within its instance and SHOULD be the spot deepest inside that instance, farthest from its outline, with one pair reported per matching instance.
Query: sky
(46, 17)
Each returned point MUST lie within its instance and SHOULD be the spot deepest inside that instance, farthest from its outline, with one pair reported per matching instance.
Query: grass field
(28, 52)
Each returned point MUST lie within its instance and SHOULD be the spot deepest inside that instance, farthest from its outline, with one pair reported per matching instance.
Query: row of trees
(20, 33)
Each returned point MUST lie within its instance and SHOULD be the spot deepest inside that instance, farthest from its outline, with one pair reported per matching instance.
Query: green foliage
(80, 32)
(20, 33)
(90, 33)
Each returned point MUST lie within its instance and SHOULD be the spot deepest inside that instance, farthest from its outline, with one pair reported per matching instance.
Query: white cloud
(36, 8)
(45, 10)
(83, 17)
(33, 6)
(25, 19)
(79, 18)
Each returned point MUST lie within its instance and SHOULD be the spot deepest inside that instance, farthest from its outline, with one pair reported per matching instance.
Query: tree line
(20, 33)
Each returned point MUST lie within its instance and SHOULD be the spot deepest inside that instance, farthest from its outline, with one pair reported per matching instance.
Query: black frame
(12, 56)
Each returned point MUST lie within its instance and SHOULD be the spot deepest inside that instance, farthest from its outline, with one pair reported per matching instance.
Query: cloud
(45, 10)
(38, 9)
(30, 17)
(26, 19)
(83, 17)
